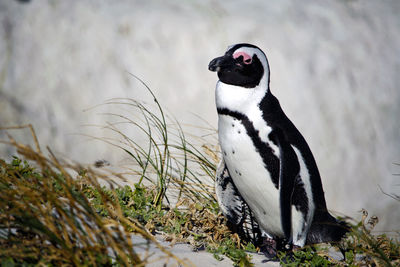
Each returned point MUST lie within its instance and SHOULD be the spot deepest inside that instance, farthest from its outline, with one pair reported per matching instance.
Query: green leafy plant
(308, 256)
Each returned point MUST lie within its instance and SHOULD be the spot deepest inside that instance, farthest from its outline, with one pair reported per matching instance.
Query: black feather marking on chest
(271, 162)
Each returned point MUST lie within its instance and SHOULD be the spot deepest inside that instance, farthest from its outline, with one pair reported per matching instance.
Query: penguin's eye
(247, 61)
(243, 56)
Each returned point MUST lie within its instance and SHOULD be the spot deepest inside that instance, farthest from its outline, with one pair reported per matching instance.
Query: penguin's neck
(240, 99)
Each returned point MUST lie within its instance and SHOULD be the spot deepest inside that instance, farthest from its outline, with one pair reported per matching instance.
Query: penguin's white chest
(249, 174)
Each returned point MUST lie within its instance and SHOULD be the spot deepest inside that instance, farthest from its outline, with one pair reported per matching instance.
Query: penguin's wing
(288, 171)
(229, 199)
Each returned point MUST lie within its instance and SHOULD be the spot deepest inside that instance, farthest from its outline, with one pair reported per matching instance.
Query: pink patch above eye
(246, 57)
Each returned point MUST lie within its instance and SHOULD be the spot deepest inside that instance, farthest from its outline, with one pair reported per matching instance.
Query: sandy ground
(193, 258)
(201, 258)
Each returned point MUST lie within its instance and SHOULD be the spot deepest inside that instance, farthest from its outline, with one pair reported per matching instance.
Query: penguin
(266, 163)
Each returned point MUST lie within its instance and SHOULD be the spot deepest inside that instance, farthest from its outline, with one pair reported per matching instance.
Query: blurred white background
(335, 67)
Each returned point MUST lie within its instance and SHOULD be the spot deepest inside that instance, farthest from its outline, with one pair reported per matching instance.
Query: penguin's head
(243, 65)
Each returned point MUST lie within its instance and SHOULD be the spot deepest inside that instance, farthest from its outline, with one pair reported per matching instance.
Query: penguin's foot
(283, 245)
(268, 247)
(271, 246)
(296, 247)
(287, 249)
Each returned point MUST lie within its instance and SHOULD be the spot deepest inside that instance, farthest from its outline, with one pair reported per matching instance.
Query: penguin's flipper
(288, 170)
(229, 199)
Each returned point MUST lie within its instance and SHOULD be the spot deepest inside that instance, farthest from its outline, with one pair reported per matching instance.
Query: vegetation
(54, 212)
(47, 219)
(360, 248)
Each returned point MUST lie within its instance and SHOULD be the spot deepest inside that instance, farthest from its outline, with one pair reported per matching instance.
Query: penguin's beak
(220, 62)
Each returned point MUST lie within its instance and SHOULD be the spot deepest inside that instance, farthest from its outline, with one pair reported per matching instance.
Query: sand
(192, 258)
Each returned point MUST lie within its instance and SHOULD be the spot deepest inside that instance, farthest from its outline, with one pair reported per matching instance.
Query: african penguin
(266, 163)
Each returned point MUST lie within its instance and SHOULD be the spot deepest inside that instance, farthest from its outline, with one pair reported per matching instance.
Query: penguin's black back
(324, 228)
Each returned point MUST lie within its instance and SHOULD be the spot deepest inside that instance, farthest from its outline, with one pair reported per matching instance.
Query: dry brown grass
(45, 215)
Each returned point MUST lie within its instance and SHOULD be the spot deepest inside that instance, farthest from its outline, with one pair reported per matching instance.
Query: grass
(54, 212)
(360, 248)
(47, 218)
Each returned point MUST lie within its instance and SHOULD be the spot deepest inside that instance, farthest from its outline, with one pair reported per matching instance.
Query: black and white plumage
(266, 163)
